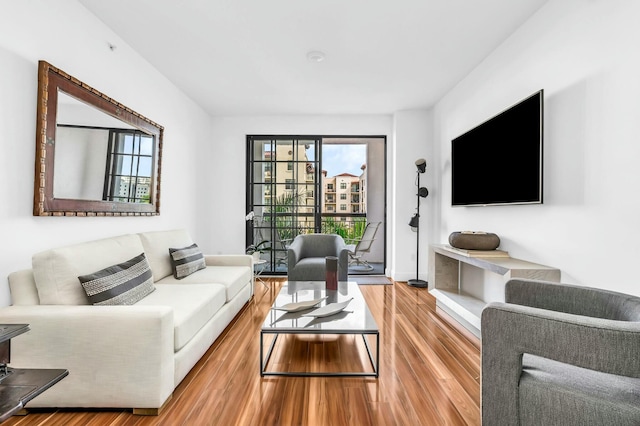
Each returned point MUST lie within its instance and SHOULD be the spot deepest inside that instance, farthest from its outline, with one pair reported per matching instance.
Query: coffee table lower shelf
(375, 361)
(21, 385)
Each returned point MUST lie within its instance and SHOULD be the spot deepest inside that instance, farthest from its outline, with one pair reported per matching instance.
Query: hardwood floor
(429, 374)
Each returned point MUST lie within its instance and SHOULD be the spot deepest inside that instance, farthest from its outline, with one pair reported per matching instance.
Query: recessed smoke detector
(315, 56)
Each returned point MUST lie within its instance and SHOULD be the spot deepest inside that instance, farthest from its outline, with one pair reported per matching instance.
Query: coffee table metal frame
(373, 331)
(258, 269)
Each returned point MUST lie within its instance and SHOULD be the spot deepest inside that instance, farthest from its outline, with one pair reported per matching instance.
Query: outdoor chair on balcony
(359, 247)
(307, 253)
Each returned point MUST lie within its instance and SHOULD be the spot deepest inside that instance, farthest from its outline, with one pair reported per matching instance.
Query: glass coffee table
(356, 318)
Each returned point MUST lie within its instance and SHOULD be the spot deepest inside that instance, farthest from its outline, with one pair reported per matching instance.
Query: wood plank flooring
(429, 374)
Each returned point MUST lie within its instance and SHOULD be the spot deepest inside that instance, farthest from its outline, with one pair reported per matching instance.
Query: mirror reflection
(94, 156)
(99, 157)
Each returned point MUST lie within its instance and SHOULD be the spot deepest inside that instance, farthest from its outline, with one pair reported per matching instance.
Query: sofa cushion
(233, 278)
(56, 271)
(156, 245)
(122, 284)
(193, 306)
(186, 260)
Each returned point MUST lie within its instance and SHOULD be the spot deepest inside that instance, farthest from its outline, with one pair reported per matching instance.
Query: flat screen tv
(500, 161)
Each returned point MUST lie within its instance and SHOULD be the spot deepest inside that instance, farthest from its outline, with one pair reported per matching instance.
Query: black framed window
(283, 180)
(129, 167)
(290, 193)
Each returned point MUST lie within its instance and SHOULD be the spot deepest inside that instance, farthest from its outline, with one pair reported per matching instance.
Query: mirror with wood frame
(94, 156)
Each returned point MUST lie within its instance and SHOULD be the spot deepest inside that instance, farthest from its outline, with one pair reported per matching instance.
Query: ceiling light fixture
(315, 56)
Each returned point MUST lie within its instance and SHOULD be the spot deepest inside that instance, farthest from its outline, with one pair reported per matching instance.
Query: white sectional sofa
(126, 356)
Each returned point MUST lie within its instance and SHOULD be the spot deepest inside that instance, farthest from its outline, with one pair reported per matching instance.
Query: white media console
(464, 281)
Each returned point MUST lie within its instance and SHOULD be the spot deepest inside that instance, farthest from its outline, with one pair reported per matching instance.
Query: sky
(341, 158)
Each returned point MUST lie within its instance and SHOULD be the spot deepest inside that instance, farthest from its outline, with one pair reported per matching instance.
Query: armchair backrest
(320, 245)
(571, 299)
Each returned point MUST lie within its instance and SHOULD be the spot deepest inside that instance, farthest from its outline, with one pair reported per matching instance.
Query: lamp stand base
(418, 283)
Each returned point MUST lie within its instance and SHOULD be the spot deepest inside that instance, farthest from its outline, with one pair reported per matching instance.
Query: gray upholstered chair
(557, 354)
(306, 257)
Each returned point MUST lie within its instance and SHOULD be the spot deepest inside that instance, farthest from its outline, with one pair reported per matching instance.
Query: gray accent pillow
(185, 261)
(122, 284)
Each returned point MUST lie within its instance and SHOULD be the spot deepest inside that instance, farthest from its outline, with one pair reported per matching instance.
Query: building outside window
(289, 183)
(129, 165)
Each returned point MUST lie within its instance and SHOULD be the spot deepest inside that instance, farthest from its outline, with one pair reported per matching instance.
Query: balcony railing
(274, 232)
(349, 226)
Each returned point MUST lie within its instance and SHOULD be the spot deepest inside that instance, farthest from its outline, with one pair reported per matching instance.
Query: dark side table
(20, 385)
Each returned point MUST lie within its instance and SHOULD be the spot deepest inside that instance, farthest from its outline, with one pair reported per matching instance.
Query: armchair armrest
(293, 252)
(509, 331)
(117, 356)
(343, 262)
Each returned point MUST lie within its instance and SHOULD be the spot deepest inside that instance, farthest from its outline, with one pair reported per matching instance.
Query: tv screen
(500, 161)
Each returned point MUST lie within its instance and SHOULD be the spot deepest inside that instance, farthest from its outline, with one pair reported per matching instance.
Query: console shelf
(447, 287)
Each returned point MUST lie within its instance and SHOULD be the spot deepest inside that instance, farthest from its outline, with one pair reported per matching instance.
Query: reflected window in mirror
(129, 166)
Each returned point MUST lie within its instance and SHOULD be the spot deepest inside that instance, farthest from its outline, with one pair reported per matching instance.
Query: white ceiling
(249, 57)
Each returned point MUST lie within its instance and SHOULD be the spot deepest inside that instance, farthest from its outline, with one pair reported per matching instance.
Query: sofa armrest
(509, 331)
(228, 260)
(117, 356)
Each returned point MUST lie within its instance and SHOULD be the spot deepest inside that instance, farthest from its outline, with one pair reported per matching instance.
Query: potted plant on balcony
(256, 250)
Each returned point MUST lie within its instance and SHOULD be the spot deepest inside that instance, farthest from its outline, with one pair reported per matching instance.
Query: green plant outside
(288, 226)
(349, 231)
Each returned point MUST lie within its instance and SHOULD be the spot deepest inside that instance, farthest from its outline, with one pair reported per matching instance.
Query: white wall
(585, 55)
(375, 185)
(70, 38)
(582, 53)
(79, 163)
(412, 133)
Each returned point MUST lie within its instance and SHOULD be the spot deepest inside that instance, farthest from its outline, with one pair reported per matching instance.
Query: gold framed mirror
(94, 156)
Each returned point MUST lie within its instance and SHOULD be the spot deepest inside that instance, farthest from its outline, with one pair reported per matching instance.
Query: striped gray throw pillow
(185, 261)
(121, 284)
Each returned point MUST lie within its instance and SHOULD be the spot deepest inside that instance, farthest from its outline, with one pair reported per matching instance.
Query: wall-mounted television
(500, 161)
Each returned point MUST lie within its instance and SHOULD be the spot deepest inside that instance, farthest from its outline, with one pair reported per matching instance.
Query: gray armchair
(557, 354)
(306, 257)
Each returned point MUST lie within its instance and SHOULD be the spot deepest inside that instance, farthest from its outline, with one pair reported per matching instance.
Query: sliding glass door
(305, 184)
(282, 194)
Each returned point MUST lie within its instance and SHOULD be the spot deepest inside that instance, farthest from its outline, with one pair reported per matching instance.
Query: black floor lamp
(414, 223)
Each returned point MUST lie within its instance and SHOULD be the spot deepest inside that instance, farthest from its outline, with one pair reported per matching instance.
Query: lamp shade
(415, 221)
(421, 164)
